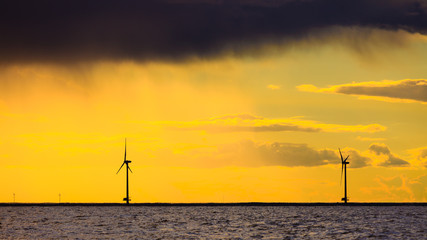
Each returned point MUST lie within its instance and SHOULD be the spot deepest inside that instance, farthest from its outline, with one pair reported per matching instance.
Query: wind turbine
(344, 163)
(127, 176)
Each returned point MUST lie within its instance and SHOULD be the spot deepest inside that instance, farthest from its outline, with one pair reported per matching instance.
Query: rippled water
(220, 222)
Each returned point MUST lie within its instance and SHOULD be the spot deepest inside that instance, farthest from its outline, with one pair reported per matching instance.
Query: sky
(220, 101)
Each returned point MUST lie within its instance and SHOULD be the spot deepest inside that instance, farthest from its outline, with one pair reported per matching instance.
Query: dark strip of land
(249, 204)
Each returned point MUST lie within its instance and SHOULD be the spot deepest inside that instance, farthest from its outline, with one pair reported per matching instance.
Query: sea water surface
(219, 222)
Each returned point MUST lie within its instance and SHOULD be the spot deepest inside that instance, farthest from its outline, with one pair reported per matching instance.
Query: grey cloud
(251, 154)
(400, 90)
(356, 160)
(275, 154)
(288, 154)
(412, 89)
(249, 123)
(392, 160)
(379, 149)
(248, 154)
(268, 128)
(81, 30)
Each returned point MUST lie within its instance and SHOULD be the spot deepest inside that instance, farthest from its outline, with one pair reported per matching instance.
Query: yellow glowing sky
(205, 130)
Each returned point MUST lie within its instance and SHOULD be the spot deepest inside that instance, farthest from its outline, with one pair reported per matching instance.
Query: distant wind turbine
(127, 176)
(344, 163)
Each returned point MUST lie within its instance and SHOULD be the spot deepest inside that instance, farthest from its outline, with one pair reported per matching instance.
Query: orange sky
(264, 125)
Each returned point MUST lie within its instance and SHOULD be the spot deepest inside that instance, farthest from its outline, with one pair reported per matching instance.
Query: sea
(213, 222)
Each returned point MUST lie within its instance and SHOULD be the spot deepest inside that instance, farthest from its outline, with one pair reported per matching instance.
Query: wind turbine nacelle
(127, 161)
(125, 199)
(343, 199)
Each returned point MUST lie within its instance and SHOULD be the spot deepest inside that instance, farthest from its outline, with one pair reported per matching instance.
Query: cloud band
(50, 30)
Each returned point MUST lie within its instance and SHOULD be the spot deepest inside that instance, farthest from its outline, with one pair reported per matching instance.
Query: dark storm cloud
(75, 30)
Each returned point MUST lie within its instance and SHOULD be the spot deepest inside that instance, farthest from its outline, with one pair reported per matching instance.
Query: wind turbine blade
(342, 165)
(130, 169)
(120, 167)
(125, 149)
(346, 158)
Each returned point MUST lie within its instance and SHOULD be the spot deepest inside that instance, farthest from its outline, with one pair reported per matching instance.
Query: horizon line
(160, 204)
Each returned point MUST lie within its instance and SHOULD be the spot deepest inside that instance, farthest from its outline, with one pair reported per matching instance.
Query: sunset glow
(260, 121)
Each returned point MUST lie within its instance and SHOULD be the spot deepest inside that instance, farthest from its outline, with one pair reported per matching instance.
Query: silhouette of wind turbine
(344, 163)
(127, 175)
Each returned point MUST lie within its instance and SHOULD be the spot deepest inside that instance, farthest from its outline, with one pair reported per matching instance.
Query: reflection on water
(220, 222)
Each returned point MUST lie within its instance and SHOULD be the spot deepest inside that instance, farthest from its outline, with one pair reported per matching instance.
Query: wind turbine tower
(127, 175)
(344, 163)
